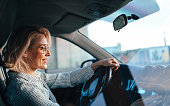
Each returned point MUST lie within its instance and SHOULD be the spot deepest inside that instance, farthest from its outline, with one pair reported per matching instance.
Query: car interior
(60, 17)
(66, 20)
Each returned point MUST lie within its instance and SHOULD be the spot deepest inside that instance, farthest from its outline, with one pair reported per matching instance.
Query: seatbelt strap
(4, 67)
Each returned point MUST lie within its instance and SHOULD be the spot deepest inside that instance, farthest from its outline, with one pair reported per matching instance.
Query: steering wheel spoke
(93, 87)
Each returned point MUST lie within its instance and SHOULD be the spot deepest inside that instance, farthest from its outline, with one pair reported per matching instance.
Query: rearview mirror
(120, 22)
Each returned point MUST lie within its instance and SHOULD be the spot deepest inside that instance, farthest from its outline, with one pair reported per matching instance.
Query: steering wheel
(93, 87)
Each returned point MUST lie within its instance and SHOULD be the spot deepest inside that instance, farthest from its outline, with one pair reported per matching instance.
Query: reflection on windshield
(153, 84)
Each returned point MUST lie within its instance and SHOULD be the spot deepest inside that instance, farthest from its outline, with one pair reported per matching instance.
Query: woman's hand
(106, 62)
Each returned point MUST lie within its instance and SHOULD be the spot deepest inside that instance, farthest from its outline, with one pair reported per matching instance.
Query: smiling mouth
(45, 60)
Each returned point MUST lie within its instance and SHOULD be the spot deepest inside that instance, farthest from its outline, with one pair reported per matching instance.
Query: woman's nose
(48, 53)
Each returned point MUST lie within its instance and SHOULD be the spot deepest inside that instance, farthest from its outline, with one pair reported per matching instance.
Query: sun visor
(69, 23)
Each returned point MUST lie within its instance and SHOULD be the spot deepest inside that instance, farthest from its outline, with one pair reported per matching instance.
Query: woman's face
(39, 53)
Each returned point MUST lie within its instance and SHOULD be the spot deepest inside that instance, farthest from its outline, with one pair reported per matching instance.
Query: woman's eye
(42, 48)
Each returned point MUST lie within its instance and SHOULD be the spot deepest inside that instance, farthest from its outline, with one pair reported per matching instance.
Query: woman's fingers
(112, 63)
(106, 62)
(116, 65)
(114, 68)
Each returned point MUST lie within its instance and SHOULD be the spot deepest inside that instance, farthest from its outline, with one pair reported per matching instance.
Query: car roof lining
(61, 16)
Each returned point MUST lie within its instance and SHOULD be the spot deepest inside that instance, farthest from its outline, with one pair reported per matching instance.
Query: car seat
(2, 83)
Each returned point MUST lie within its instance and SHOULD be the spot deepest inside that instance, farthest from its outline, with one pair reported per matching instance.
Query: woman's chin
(43, 67)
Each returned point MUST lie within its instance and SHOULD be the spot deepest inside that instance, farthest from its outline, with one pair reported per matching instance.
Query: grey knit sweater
(25, 90)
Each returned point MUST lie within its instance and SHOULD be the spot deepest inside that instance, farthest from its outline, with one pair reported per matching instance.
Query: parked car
(83, 32)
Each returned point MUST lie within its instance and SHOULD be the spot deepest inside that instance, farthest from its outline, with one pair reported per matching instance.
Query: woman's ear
(25, 54)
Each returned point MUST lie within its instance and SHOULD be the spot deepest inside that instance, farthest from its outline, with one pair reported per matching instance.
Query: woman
(26, 51)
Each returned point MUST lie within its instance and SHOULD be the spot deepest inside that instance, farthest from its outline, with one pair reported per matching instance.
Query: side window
(65, 56)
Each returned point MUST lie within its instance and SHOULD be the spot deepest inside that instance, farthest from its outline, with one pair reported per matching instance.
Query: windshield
(141, 39)
(144, 43)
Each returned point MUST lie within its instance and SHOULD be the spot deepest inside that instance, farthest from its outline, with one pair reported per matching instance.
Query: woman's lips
(45, 60)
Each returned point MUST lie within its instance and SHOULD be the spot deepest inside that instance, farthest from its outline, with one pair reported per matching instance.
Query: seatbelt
(3, 67)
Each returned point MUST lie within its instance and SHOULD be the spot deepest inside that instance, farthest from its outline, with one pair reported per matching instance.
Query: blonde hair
(19, 41)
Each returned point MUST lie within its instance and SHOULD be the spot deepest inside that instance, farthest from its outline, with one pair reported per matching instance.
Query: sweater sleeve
(68, 79)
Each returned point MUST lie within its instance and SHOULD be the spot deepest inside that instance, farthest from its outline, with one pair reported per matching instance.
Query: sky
(146, 32)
